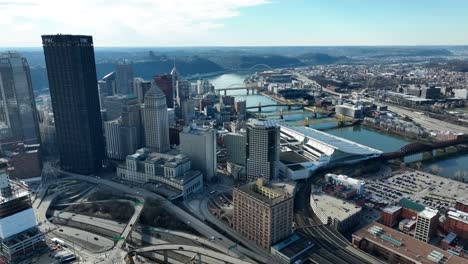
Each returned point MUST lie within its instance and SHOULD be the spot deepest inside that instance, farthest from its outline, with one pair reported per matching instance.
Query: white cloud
(117, 22)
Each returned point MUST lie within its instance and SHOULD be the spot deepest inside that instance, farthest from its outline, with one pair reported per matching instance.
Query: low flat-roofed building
(292, 248)
(392, 246)
(389, 215)
(462, 204)
(346, 181)
(294, 166)
(457, 222)
(341, 214)
(145, 166)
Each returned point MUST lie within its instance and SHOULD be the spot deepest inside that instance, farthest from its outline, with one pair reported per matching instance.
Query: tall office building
(200, 145)
(183, 90)
(175, 78)
(71, 70)
(124, 77)
(106, 86)
(187, 110)
(236, 148)
(262, 213)
(155, 120)
(262, 150)
(19, 235)
(123, 131)
(140, 88)
(203, 86)
(165, 83)
(18, 113)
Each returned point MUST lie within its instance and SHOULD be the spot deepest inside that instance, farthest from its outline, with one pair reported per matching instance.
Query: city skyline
(238, 23)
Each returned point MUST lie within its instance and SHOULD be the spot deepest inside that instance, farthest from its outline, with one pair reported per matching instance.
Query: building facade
(176, 172)
(140, 88)
(19, 235)
(106, 86)
(71, 71)
(156, 122)
(200, 145)
(262, 150)
(18, 113)
(426, 224)
(236, 144)
(124, 77)
(164, 82)
(262, 214)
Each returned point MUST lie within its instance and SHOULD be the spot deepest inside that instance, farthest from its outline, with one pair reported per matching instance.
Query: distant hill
(320, 58)
(144, 69)
(246, 62)
(452, 65)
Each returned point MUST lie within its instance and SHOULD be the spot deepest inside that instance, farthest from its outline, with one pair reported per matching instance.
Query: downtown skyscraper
(18, 113)
(155, 120)
(263, 147)
(71, 70)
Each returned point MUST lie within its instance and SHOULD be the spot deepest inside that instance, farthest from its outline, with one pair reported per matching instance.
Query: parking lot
(424, 188)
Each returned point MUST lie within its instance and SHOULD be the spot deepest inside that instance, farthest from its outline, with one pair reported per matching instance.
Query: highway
(95, 221)
(265, 256)
(41, 205)
(192, 221)
(197, 250)
(427, 122)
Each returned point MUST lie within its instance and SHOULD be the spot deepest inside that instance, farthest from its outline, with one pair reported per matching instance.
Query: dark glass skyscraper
(71, 70)
(18, 113)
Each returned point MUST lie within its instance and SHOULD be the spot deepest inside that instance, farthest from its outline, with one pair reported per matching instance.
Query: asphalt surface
(192, 221)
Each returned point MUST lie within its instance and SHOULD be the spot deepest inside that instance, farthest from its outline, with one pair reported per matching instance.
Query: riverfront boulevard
(454, 166)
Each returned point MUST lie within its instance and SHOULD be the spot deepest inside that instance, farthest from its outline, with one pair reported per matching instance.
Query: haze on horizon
(150, 23)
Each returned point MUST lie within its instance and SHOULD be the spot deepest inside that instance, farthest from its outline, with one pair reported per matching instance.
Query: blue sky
(238, 22)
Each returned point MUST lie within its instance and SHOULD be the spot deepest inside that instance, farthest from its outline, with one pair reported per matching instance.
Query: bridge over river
(419, 147)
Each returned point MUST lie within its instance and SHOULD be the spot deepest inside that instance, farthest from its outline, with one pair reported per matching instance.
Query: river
(452, 167)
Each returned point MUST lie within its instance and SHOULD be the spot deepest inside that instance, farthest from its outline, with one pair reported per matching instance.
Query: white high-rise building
(263, 150)
(155, 120)
(426, 224)
(200, 145)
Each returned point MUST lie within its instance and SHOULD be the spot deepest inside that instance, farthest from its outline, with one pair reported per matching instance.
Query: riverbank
(395, 132)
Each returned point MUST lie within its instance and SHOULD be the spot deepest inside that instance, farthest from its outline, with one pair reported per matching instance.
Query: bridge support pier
(225, 92)
(428, 155)
(289, 107)
(165, 256)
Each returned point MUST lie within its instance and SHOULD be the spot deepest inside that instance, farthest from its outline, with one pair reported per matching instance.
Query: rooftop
(334, 207)
(458, 215)
(291, 157)
(406, 203)
(391, 209)
(334, 142)
(404, 245)
(269, 194)
(293, 246)
(260, 123)
(428, 213)
(463, 200)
